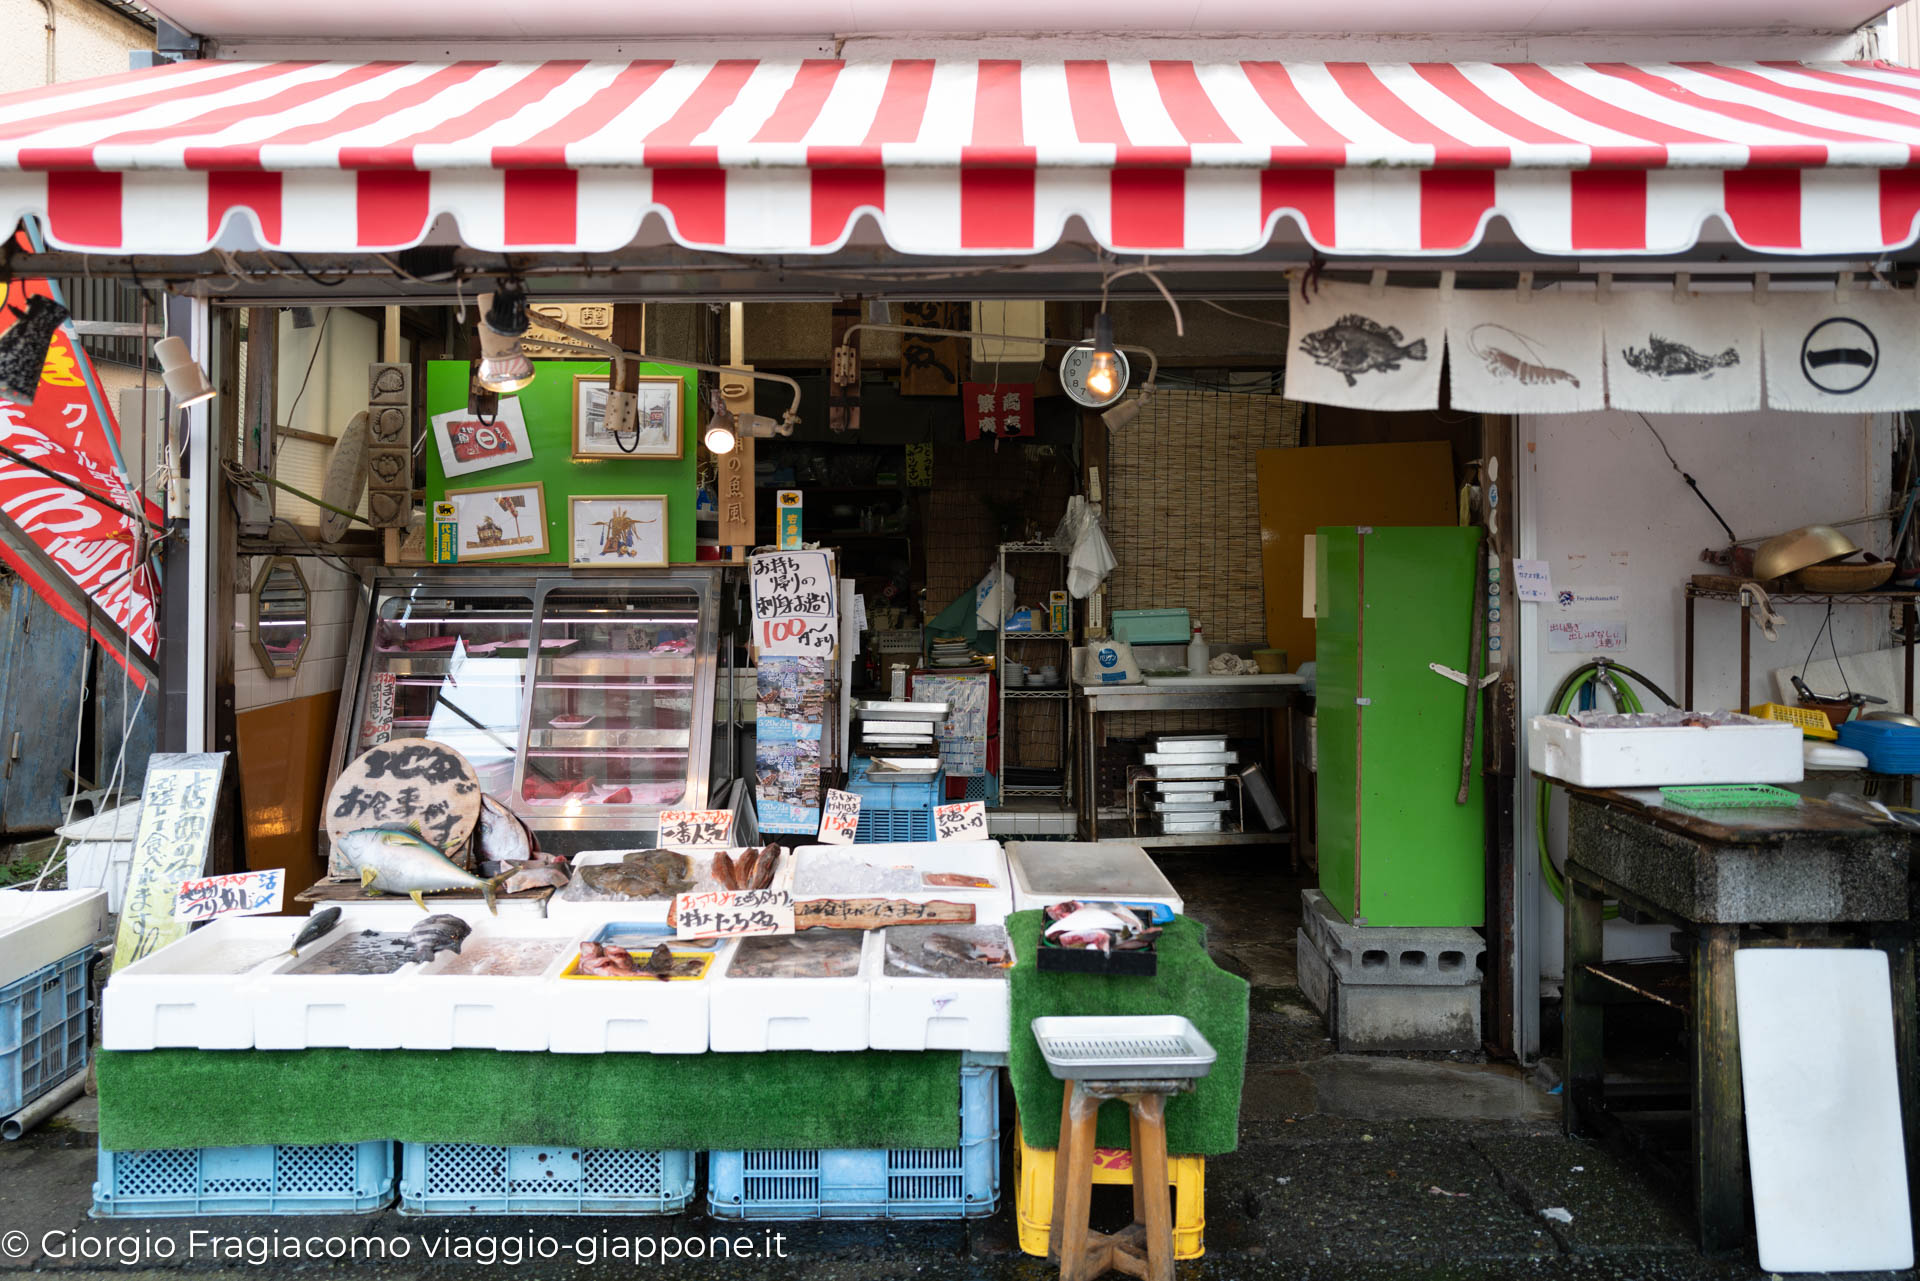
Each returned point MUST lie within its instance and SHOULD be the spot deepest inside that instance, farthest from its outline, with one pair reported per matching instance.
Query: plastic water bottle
(1197, 654)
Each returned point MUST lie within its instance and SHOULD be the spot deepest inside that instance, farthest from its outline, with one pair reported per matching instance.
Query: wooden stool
(1145, 1248)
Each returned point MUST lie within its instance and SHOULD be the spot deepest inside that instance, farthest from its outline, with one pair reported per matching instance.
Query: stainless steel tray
(897, 729)
(889, 767)
(1189, 787)
(1156, 1047)
(1190, 772)
(1190, 758)
(884, 710)
(1190, 805)
(1175, 825)
(1184, 743)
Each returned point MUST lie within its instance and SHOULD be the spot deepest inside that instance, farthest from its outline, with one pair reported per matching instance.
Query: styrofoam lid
(1088, 869)
(121, 824)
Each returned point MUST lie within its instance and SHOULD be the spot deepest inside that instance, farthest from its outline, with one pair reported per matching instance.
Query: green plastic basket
(1738, 796)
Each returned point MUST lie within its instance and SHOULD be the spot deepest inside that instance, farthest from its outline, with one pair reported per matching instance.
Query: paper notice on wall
(795, 603)
(1585, 635)
(1532, 580)
(1589, 600)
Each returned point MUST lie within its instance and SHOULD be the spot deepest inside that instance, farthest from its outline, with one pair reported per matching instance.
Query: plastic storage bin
(332, 1178)
(471, 1178)
(1759, 751)
(1033, 1191)
(871, 1183)
(1152, 626)
(43, 1030)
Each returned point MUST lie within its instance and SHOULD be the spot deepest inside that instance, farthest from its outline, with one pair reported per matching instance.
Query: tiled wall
(323, 665)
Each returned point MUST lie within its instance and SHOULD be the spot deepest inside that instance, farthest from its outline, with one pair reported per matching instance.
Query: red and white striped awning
(969, 157)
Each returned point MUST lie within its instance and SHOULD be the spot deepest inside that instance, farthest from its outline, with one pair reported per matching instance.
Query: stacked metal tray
(1187, 784)
(900, 733)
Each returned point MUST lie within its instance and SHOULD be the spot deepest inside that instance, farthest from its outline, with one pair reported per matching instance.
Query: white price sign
(725, 913)
(239, 894)
(794, 603)
(966, 821)
(841, 819)
(695, 829)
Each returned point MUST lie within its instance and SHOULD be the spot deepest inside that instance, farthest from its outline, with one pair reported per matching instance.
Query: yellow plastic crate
(1812, 721)
(1033, 1205)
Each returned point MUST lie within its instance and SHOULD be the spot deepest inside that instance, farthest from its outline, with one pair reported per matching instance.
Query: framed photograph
(656, 433)
(499, 520)
(617, 531)
(469, 444)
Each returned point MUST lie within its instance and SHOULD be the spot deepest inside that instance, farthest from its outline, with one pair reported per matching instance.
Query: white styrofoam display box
(908, 1011)
(597, 1014)
(199, 992)
(39, 927)
(805, 991)
(1751, 750)
(1048, 872)
(901, 871)
(324, 1000)
(495, 993)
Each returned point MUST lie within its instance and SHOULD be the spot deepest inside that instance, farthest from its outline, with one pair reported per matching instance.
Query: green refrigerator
(1395, 846)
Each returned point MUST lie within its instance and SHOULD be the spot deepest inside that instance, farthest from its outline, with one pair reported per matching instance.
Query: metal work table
(1811, 876)
(1097, 700)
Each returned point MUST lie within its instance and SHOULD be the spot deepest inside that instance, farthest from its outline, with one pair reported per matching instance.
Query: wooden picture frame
(479, 509)
(638, 543)
(659, 435)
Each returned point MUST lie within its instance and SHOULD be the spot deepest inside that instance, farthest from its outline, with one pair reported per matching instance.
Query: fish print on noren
(1497, 346)
(1355, 344)
(1664, 358)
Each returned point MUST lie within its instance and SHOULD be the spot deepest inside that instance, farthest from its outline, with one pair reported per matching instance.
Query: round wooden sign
(407, 781)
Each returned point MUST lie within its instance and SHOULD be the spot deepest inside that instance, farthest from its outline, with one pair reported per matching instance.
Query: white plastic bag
(1108, 662)
(1089, 556)
(991, 597)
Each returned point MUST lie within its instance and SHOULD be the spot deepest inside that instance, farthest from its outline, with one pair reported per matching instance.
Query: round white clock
(1074, 363)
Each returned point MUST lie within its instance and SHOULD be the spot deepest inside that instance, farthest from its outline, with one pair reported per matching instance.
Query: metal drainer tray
(1122, 1047)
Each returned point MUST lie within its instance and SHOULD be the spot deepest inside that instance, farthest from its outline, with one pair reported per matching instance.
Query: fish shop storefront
(691, 557)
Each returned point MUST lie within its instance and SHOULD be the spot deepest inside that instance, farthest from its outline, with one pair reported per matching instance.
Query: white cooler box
(752, 1014)
(1751, 750)
(1047, 872)
(479, 999)
(200, 992)
(39, 927)
(911, 1012)
(983, 859)
(595, 1014)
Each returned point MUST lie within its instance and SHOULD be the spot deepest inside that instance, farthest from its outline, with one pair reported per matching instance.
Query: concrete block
(1379, 1016)
(1312, 972)
(1396, 955)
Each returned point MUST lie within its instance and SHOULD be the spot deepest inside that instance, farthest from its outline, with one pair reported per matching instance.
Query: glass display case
(583, 703)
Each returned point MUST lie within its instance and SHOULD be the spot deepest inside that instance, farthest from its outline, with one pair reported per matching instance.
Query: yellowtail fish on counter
(398, 860)
(316, 929)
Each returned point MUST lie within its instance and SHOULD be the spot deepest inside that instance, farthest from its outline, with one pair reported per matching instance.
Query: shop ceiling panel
(970, 157)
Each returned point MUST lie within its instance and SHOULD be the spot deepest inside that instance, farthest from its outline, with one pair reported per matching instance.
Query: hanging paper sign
(730, 913)
(178, 815)
(1356, 346)
(966, 821)
(382, 693)
(1692, 354)
(1585, 635)
(788, 515)
(794, 603)
(469, 443)
(241, 894)
(841, 818)
(1844, 354)
(1532, 581)
(695, 829)
(1540, 356)
(997, 411)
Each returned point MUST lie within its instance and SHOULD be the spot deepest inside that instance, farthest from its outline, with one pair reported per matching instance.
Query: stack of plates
(1189, 788)
(951, 651)
(901, 731)
(1890, 748)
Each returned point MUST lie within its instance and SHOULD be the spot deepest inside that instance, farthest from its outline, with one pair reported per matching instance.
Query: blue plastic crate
(473, 1178)
(881, 794)
(875, 1183)
(330, 1178)
(44, 1031)
(882, 826)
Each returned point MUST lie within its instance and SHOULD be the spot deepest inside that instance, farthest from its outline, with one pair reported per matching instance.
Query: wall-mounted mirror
(282, 616)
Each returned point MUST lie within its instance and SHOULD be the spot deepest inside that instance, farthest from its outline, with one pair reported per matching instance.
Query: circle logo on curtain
(1839, 355)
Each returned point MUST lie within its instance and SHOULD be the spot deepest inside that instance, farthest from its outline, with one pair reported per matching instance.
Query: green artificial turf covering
(230, 1098)
(1205, 1122)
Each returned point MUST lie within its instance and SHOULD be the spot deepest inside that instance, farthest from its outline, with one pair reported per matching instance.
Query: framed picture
(499, 520)
(469, 444)
(656, 431)
(607, 531)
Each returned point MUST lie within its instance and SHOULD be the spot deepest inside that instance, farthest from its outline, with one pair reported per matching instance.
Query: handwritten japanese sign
(1585, 635)
(407, 782)
(794, 603)
(382, 693)
(695, 829)
(997, 410)
(178, 812)
(1532, 580)
(726, 913)
(241, 894)
(878, 913)
(966, 821)
(842, 818)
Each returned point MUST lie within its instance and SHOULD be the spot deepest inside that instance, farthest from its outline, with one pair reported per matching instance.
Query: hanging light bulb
(504, 367)
(23, 348)
(186, 382)
(720, 435)
(1103, 374)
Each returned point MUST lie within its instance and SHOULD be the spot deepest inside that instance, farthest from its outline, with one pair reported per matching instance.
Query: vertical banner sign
(966, 821)
(177, 814)
(841, 819)
(794, 610)
(443, 542)
(789, 516)
(70, 431)
(383, 692)
(241, 894)
(736, 494)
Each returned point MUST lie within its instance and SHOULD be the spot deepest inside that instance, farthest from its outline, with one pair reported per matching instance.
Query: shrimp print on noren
(1356, 344)
(1495, 344)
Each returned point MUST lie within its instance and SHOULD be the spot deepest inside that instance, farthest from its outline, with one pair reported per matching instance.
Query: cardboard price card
(795, 603)
(241, 894)
(695, 829)
(726, 913)
(966, 821)
(842, 818)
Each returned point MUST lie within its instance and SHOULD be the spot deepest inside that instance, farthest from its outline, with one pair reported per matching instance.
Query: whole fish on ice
(316, 929)
(1356, 344)
(398, 860)
(438, 933)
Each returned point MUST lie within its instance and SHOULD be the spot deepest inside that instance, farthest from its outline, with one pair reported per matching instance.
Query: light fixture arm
(592, 344)
(1153, 361)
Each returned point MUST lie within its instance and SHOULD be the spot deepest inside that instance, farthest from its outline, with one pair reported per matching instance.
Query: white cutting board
(1824, 1140)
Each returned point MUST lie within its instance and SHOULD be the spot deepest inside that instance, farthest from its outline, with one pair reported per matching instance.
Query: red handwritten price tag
(727, 913)
(241, 894)
(841, 819)
(695, 829)
(966, 821)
